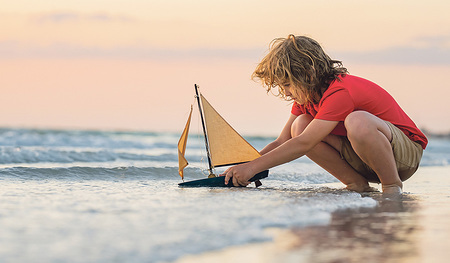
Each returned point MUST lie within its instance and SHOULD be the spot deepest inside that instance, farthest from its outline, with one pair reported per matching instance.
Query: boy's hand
(239, 174)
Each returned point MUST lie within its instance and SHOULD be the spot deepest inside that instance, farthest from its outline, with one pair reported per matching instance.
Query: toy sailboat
(224, 146)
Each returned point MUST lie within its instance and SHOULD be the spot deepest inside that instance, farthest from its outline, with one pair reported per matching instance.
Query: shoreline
(280, 249)
(413, 228)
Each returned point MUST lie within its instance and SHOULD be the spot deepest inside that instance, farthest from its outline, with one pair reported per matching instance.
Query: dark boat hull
(220, 181)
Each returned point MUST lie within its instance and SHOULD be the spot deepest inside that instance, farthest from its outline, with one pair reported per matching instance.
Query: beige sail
(182, 162)
(226, 145)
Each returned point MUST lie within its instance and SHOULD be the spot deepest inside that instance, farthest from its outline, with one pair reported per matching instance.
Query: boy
(348, 125)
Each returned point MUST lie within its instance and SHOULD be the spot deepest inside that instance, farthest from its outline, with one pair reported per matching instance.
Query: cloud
(67, 16)
(14, 49)
(434, 52)
(57, 17)
(399, 55)
(442, 41)
(427, 50)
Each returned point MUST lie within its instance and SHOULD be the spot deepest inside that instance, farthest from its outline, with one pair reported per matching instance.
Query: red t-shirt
(352, 93)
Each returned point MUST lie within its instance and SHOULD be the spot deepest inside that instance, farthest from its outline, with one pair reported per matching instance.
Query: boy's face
(293, 93)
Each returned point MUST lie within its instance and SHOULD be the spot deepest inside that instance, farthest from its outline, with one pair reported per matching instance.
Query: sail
(182, 162)
(226, 145)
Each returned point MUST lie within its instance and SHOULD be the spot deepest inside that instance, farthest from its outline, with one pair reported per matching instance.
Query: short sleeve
(297, 109)
(335, 105)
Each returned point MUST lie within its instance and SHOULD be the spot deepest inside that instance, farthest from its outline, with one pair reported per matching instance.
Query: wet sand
(412, 228)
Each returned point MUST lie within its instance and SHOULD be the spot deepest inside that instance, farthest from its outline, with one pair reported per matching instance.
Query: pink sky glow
(132, 65)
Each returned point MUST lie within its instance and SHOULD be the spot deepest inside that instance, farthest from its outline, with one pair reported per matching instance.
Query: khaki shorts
(407, 156)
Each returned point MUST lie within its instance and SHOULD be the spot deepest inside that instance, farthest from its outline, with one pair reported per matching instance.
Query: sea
(113, 196)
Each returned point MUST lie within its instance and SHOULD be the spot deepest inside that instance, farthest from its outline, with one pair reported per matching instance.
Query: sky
(132, 65)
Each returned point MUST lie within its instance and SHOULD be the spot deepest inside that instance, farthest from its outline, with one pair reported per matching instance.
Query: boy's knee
(361, 125)
(355, 119)
(300, 123)
(356, 124)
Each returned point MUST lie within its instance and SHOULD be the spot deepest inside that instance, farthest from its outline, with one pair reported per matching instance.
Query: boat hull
(220, 181)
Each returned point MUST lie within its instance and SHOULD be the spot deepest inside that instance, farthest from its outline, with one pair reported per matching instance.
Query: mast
(211, 174)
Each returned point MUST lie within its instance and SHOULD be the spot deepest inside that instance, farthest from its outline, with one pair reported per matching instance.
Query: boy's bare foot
(361, 188)
(392, 189)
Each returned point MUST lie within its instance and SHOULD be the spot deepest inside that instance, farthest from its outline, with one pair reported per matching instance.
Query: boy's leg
(327, 155)
(370, 137)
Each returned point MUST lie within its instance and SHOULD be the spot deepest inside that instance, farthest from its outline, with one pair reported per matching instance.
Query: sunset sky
(132, 65)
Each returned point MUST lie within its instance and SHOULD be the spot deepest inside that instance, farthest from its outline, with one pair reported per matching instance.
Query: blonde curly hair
(301, 62)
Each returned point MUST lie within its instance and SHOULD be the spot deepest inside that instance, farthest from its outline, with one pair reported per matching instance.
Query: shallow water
(91, 196)
(412, 228)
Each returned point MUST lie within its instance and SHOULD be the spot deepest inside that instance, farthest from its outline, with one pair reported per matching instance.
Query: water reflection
(388, 232)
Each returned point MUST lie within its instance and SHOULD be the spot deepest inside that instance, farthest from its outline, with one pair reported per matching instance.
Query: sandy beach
(413, 228)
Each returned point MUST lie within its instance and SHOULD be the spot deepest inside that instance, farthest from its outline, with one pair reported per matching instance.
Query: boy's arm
(292, 149)
(283, 137)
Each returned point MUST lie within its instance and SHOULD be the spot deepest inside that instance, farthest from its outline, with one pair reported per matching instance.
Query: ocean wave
(154, 173)
(92, 173)
(437, 153)
(28, 147)
(99, 139)
(15, 155)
